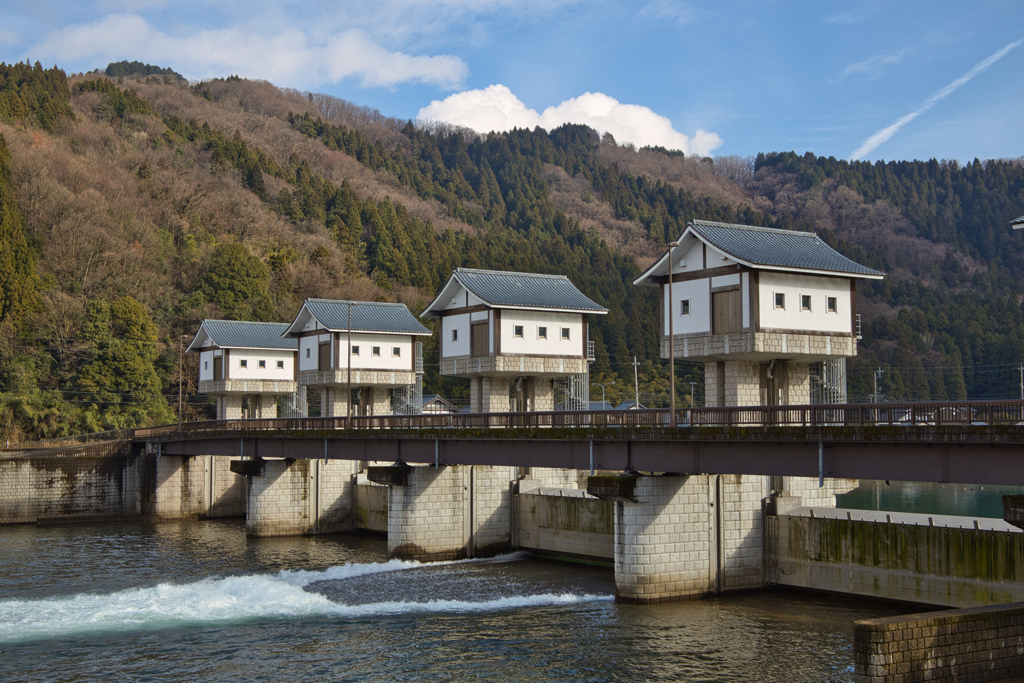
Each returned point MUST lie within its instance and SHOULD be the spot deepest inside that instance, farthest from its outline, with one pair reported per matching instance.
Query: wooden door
(478, 339)
(726, 311)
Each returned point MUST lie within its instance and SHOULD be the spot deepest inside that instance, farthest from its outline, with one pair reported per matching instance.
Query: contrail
(883, 135)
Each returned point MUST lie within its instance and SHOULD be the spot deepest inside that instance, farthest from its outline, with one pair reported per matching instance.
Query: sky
(863, 79)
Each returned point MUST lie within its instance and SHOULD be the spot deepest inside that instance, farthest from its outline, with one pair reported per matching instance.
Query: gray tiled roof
(367, 316)
(1017, 221)
(237, 334)
(531, 290)
(779, 248)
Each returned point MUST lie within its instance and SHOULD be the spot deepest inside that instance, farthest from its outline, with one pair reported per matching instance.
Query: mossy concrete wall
(97, 479)
(931, 565)
(371, 510)
(977, 644)
(566, 525)
(301, 497)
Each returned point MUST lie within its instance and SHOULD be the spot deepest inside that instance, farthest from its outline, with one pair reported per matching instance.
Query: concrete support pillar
(679, 537)
(380, 400)
(301, 497)
(181, 490)
(799, 383)
(230, 407)
(544, 394)
(742, 383)
(495, 395)
(450, 512)
(334, 402)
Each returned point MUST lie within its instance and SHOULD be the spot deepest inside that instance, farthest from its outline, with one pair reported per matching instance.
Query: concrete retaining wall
(98, 479)
(566, 525)
(978, 644)
(301, 497)
(371, 511)
(932, 565)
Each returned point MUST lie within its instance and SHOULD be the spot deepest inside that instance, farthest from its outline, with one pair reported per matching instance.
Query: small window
(518, 331)
(375, 351)
(780, 300)
(307, 353)
(455, 335)
(805, 302)
(684, 307)
(263, 365)
(243, 363)
(565, 334)
(206, 365)
(280, 365)
(833, 305)
(355, 349)
(542, 333)
(396, 351)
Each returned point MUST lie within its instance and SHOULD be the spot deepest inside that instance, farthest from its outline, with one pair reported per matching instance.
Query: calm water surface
(967, 500)
(199, 601)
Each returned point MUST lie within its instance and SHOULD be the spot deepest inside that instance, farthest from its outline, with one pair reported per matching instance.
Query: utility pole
(693, 392)
(180, 373)
(671, 342)
(636, 384)
(878, 374)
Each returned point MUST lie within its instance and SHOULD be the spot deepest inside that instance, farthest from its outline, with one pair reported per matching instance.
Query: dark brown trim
(496, 329)
(726, 288)
(313, 333)
(755, 301)
(465, 309)
(853, 307)
(698, 274)
(661, 311)
(226, 365)
(586, 335)
(704, 256)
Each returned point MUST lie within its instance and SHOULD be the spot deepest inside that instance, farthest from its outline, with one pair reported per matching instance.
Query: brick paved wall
(976, 644)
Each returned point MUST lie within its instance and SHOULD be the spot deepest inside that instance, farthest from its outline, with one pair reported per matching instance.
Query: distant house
(757, 306)
(1017, 223)
(245, 366)
(513, 335)
(630, 405)
(356, 351)
(434, 404)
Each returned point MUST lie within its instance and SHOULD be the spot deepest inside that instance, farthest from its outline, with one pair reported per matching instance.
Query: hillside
(133, 208)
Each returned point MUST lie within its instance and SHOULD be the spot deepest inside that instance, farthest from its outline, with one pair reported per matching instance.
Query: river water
(199, 601)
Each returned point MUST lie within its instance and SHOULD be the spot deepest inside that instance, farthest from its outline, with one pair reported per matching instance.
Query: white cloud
(881, 137)
(8, 37)
(871, 68)
(286, 58)
(680, 13)
(496, 108)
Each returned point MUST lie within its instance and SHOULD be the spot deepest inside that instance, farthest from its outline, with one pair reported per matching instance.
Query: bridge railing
(858, 414)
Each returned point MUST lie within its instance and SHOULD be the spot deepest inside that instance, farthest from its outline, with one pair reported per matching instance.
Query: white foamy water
(226, 600)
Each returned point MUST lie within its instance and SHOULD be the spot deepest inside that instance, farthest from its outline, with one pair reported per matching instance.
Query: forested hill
(132, 208)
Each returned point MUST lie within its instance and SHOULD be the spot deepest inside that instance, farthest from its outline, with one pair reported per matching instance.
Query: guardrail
(976, 413)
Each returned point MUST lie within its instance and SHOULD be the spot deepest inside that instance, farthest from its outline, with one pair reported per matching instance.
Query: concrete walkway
(911, 518)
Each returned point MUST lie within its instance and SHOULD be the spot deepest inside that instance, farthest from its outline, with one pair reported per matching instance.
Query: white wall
(206, 363)
(308, 350)
(460, 347)
(699, 319)
(792, 317)
(252, 357)
(386, 360)
(530, 344)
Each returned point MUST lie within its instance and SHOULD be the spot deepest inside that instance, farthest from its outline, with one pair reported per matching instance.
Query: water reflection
(967, 500)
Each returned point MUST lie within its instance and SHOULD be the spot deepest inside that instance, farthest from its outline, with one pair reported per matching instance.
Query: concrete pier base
(301, 497)
(196, 486)
(449, 512)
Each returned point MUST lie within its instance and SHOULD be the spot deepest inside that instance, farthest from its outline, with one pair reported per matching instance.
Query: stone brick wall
(181, 489)
(492, 509)
(332, 495)
(425, 517)
(89, 480)
(741, 521)
(770, 344)
(557, 478)
(662, 541)
(512, 366)
(978, 644)
(742, 383)
(279, 500)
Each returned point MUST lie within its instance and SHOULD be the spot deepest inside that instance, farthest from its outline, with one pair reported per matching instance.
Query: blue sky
(912, 79)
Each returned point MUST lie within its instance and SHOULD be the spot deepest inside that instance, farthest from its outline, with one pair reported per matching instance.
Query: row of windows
(396, 351)
(831, 303)
(517, 332)
(244, 363)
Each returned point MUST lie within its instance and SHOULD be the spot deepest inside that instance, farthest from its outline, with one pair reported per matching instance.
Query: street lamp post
(693, 392)
(603, 402)
(671, 341)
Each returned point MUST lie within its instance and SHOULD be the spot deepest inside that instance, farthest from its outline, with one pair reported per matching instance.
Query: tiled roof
(528, 290)
(1017, 221)
(777, 248)
(367, 316)
(238, 334)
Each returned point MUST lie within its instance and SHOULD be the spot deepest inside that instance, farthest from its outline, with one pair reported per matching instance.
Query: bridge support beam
(301, 498)
(679, 537)
(450, 512)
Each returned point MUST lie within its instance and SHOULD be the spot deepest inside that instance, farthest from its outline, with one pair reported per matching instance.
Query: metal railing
(965, 413)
